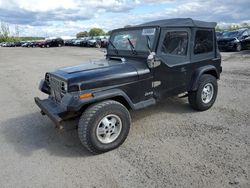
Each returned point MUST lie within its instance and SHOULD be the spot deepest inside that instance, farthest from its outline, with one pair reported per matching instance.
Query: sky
(67, 17)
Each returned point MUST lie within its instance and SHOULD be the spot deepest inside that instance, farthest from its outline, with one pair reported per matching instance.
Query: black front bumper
(51, 109)
(227, 46)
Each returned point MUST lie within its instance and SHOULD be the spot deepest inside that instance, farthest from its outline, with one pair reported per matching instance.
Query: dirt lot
(169, 144)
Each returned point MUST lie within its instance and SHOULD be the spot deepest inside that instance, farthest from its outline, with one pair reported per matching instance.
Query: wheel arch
(113, 94)
(209, 69)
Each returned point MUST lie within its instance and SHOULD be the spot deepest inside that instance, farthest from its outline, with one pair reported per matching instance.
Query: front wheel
(104, 126)
(204, 97)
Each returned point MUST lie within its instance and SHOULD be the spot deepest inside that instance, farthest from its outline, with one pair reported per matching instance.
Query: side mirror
(153, 61)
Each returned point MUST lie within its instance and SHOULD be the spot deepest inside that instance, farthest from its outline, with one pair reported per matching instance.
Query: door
(173, 53)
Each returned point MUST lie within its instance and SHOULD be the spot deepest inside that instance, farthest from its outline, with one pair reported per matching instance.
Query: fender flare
(99, 96)
(199, 72)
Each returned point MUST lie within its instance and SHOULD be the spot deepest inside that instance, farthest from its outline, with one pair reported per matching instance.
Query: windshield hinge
(153, 64)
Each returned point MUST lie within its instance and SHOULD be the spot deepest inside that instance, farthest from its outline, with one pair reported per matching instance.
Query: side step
(183, 95)
(144, 104)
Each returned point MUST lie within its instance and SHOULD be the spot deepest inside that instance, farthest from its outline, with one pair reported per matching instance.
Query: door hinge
(156, 84)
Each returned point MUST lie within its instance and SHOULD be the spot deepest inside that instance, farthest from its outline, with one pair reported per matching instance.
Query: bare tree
(17, 31)
(4, 31)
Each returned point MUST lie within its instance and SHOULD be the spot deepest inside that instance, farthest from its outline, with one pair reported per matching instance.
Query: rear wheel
(204, 97)
(104, 126)
(47, 46)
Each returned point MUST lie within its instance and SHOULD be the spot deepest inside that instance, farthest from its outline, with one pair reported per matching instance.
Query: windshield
(138, 40)
(231, 34)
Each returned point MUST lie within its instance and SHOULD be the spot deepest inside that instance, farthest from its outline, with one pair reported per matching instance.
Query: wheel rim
(109, 128)
(207, 93)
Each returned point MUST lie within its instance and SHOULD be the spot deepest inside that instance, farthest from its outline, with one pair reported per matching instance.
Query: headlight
(64, 86)
(234, 41)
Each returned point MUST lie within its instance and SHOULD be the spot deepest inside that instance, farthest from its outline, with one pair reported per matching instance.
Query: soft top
(180, 22)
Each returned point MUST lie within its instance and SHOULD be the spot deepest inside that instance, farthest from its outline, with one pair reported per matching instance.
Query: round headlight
(64, 86)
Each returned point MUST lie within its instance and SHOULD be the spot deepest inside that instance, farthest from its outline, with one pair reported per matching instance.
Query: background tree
(233, 27)
(108, 33)
(96, 32)
(245, 25)
(217, 28)
(4, 32)
(82, 34)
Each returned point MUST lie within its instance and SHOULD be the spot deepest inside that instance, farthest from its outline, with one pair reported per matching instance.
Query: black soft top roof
(180, 22)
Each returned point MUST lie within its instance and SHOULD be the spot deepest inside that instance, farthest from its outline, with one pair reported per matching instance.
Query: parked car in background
(236, 40)
(57, 42)
(29, 44)
(80, 42)
(219, 34)
(2, 44)
(40, 44)
(94, 42)
(69, 42)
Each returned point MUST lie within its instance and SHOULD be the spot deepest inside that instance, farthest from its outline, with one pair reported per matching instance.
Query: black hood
(226, 39)
(102, 73)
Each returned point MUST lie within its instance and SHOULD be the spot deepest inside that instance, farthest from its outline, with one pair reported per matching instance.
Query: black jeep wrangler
(144, 64)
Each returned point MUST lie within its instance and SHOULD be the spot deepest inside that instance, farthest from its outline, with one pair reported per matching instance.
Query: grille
(56, 89)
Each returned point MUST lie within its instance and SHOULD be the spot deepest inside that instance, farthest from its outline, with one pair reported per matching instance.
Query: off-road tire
(194, 97)
(90, 119)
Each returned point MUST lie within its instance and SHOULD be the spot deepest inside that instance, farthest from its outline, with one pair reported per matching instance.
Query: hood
(102, 73)
(226, 39)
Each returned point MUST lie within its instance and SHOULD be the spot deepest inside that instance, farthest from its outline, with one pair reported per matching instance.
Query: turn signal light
(86, 95)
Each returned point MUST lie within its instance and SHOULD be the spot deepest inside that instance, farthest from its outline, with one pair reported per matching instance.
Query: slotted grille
(56, 89)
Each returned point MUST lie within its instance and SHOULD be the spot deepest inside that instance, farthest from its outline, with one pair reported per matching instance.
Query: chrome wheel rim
(109, 128)
(207, 93)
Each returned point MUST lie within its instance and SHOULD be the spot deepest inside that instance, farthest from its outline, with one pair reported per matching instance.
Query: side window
(203, 41)
(175, 43)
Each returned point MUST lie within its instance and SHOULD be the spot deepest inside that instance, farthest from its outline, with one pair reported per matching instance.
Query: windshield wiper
(132, 46)
(149, 44)
(116, 51)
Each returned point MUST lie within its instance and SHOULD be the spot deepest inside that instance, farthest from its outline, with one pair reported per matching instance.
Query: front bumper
(229, 46)
(51, 109)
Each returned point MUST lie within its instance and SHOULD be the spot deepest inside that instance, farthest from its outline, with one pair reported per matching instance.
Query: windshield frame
(112, 52)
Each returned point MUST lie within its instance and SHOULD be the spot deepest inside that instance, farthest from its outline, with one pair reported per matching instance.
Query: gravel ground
(169, 144)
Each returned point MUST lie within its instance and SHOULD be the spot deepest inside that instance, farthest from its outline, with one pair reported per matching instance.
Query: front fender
(76, 105)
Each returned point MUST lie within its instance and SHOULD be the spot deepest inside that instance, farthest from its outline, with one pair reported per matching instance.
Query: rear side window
(203, 41)
(175, 43)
